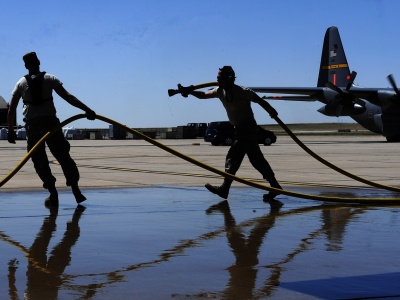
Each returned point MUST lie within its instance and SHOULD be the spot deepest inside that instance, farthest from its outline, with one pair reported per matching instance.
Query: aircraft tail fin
(333, 67)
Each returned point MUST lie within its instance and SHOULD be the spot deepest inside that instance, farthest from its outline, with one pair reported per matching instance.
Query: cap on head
(31, 60)
(227, 72)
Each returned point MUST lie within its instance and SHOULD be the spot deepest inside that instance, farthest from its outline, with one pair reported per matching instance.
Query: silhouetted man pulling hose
(40, 117)
(237, 102)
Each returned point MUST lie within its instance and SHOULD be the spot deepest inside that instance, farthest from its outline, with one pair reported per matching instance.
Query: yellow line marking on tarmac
(133, 170)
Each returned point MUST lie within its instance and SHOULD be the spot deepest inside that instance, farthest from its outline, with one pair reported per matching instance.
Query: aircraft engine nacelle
(388, 101)
(331, 97)
(337, 110)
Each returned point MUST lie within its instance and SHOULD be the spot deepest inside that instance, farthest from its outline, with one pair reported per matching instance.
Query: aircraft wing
(291, 93)
(289, 90)
(316, 93)
(290, 98)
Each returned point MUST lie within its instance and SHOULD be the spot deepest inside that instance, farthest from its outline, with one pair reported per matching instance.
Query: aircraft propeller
(347, 97)
(393, 83)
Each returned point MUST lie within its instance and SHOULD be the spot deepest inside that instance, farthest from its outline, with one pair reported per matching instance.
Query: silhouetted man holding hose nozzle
(237, 102)
(40, 117)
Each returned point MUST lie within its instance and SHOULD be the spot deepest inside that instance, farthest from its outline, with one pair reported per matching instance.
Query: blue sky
(120, 57)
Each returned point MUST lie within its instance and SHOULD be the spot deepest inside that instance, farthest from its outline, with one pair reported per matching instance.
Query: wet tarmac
(180, 242)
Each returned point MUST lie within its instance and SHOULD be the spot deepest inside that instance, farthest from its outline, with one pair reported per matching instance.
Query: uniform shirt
(237, 103)
(31, 111)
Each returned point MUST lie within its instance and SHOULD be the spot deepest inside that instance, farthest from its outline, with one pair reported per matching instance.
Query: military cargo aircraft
(376, 109)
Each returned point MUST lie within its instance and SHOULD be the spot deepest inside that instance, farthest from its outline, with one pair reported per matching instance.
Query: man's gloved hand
(90, 115)
(185, 90)
(11, 136)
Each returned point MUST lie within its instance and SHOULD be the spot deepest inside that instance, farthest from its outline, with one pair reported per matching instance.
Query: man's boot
(271, 195)
(79, 197)
(222, 190)
(52, 199)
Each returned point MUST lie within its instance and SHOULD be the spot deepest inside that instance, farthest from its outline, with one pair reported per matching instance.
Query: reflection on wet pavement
(169, 242)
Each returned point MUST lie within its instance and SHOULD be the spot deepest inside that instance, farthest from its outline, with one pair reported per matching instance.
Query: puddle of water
(160, 243)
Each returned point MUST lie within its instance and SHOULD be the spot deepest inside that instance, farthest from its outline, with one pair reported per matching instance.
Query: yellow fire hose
(202, 165)
(332, 166)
